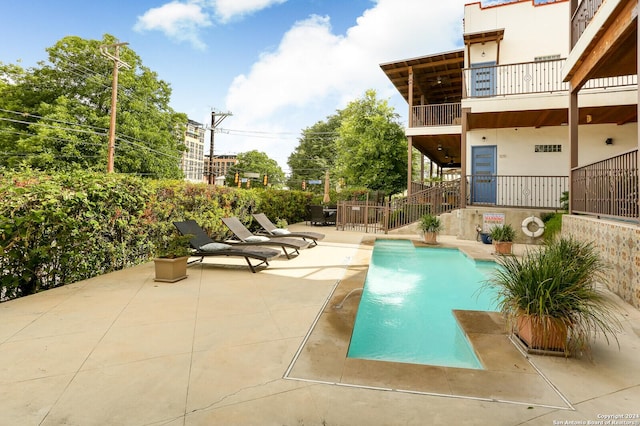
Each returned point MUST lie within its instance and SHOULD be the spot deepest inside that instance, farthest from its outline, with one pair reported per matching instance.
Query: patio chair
(317, 216)
(273, 231)
(242, 236)
(204, 246)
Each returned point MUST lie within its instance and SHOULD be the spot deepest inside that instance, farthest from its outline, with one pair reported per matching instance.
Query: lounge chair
(244, 237)
(273, 231)
(204, 246)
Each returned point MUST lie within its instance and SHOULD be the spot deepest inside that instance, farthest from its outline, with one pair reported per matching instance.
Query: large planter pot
(503, 247)
(547, 334)
(430, 237)
(171, 270)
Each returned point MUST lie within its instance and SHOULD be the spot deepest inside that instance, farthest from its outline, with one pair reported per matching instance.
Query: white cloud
(314, 71)
(178, 21)
(228, 9)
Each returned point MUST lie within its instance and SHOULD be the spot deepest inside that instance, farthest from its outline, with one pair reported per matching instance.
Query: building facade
(219, 167)
(192, 163)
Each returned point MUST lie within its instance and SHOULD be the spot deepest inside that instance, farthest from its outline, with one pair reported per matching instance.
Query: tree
(315, 153)
(371, 146)
(56, 116)
(259, 163)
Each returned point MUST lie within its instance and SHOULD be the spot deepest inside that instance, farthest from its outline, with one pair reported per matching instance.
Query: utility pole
(216, 119)
(117, 63)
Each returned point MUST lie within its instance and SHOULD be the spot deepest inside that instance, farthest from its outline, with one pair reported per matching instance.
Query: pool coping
(509, 375)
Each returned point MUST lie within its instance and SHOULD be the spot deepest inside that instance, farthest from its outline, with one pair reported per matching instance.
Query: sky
(278, 66)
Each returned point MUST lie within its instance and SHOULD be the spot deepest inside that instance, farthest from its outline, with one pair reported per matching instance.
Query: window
(548, 148)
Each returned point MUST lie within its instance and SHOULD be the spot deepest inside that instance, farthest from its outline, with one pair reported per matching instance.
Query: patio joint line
(313, 326)
(75, 373)
(443, 395)
(544, 377)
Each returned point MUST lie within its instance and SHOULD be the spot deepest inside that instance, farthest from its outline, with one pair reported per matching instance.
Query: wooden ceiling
(449, 154)
(436, 79)
(613, 50)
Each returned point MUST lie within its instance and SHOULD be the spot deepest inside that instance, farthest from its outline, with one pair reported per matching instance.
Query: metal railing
(437, 115)
(607, 188)
(583, 14)
(364, 216)
(529, 78)
(538, 192)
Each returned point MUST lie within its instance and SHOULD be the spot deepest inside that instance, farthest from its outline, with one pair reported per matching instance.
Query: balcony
(581, 18)
(529, 78)
(447, 114)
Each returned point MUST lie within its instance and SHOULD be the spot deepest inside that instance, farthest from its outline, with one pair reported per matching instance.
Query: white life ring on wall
(538, 228)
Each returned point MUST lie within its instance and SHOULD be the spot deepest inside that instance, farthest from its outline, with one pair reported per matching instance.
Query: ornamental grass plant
(557, 284)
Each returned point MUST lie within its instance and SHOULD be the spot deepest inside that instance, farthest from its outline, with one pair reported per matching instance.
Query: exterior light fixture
(609, 141)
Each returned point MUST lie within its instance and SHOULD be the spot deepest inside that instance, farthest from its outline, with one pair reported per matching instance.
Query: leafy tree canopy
(371, 148)
(56, 116)
(256, 162)
(315, 153)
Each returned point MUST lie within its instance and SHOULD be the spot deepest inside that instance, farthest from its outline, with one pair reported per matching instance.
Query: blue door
(483, 79)
(483, 171)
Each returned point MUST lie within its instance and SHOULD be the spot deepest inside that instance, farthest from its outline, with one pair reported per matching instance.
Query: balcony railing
(581, 18)
(436, 115)
(541, 192)
(528, 78)
(607, 188)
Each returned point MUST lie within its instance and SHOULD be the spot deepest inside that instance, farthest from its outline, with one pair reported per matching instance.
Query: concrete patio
(227, 347)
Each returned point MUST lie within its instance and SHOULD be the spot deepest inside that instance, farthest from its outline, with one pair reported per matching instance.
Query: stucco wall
(619, 244)
(516, 147)
(520, 20)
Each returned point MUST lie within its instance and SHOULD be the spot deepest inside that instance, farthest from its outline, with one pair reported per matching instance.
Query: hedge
(57, 229)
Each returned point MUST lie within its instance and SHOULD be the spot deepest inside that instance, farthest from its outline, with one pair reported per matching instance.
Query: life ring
(539, 229)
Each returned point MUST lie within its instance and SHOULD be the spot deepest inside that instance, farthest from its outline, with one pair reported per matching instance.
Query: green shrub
(557, 281)
(552, 226)
(503, 233)
(430, 223)
(65, 227)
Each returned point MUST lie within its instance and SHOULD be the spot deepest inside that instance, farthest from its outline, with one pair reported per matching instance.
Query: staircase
(436, 200)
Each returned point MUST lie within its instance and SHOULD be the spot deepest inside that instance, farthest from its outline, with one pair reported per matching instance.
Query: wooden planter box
(171, 270)
(538, 336)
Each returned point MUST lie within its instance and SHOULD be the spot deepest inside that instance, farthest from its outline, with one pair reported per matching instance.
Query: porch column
(409, 138)
(463, 158)
(573, 141)
(409, 163)
(422, 169)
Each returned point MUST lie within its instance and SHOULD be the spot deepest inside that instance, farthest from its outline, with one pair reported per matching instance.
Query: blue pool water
(405, 313)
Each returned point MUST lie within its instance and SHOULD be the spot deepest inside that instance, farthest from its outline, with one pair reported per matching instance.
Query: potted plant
(502, 237)
(430, 225)
(550, 299)
(172, 254)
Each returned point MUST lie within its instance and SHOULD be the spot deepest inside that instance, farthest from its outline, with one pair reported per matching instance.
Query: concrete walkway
(213, 349)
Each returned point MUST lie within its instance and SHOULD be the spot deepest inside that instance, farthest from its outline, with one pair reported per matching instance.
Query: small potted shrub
(430, 225)
(172, 254)
(550, 299)
(502, 237)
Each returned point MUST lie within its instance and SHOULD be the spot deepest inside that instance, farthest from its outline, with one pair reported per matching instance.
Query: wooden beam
(605, 45)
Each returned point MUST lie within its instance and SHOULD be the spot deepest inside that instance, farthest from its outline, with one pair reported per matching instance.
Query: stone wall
(619, 244)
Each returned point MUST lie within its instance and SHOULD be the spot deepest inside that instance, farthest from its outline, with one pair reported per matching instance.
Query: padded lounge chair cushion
(279, 231)
(257, 239)
(213, 247)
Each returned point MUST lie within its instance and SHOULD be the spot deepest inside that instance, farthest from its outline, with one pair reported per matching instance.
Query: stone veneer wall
(619, 244)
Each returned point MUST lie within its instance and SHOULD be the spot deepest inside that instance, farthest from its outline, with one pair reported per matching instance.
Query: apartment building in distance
(192, 163)
(219, 167)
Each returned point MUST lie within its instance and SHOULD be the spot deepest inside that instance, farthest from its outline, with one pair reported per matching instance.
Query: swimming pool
(405, 313)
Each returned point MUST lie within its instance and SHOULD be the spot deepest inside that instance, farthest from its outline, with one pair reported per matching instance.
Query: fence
(607, 188)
